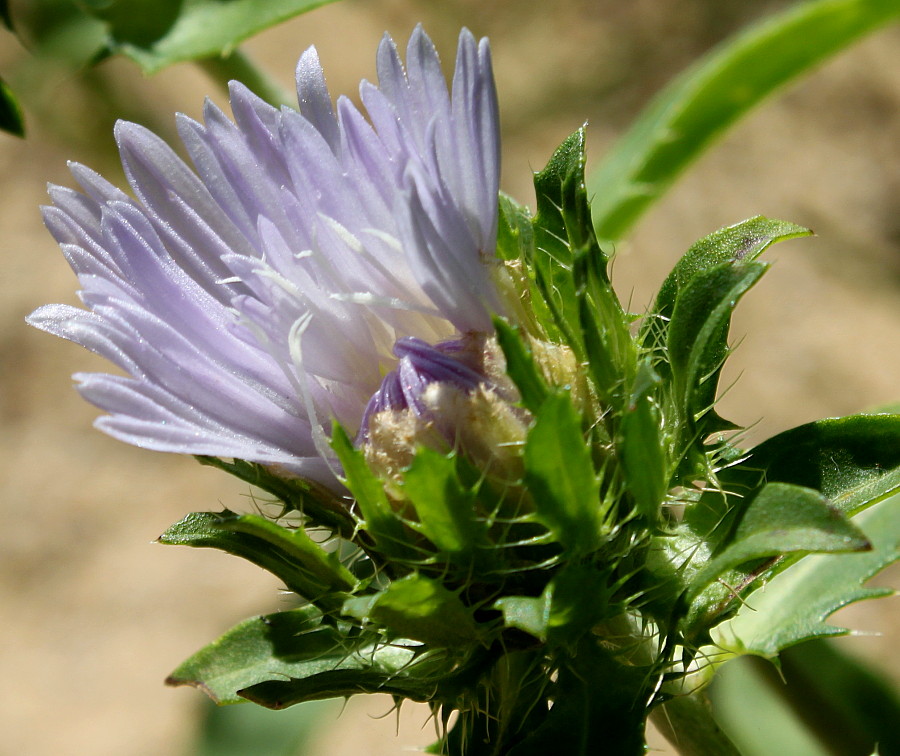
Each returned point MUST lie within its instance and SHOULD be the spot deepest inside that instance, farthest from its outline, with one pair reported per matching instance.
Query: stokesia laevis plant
(531, 515)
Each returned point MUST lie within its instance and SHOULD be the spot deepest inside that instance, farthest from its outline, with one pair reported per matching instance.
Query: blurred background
(94, 614)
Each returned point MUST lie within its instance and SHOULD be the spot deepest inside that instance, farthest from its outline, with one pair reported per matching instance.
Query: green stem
(688, 724)
(237, 65)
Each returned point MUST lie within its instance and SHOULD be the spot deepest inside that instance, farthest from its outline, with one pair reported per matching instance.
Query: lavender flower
(272, 287)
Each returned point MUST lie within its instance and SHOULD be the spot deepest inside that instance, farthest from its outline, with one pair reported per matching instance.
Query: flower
(295, 268)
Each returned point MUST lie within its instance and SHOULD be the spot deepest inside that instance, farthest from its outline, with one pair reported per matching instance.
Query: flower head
(306, 258)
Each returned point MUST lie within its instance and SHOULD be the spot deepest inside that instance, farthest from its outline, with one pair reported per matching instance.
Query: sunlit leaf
(560, 475)
(291, 555)
(157, 34)
(784, 519)
(795, 605)
(420, 608)
(715, 92)
(285, 658)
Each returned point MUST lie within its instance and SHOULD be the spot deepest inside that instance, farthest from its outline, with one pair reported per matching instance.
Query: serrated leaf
(783, 519)
(560, 476)
(290, 653)
(577, 598)
(742, 242)
(794, 605)
(697, 342)
(641, 446)
(157, 34)
(854, 461)
(420, 608)
(261, 648)
(11, 119)
(319, 506)
(562, 228)
(291, 555)
(609, 349)
(701, 103)
(445, 507)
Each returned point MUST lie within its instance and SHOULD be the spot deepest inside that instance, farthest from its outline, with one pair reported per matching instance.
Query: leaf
(445, 508)
(257, 650)
(11, 119)
(783, 519)
(742, 242)
(515, 235)
(851, 703)
(641, 446)
(793, 606)
(379, 517)
(609, 348)
(242, 730)
(562, 229)
(420, 608)
(520, 365)
(560, 475)
(599, 707)
(320, 506)
(706, 99)
(285, 658)
(697, 343)
(291, 555)
(854, 461)
(576, 599)
(156, 34)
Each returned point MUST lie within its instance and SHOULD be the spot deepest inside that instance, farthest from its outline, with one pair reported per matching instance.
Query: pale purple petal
(299, 270)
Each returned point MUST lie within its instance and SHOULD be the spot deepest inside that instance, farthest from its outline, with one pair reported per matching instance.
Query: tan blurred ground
(94, 615)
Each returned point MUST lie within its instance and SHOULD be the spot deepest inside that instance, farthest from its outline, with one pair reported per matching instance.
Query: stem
(688, 724)
(237, 65)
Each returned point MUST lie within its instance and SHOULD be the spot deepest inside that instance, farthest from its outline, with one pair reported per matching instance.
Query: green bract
(614, 560)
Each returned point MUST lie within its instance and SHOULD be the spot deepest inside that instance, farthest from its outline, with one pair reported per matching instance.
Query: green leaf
(156, 34)
(560, 475)
(562, 229)
(379, 517)
(530, 615)
(520, 365)
(697, 343)
(793, 606)
(841, 697)
(641, 446)
(242, 730)
(515, 235)
(304, 566)
(318, 505)
(783, 519)
(420, 608)
(286, 658)
(11, 119)
(853, 461)
(599, 707)
(714, 93)
(261, 648)
(445, 508)
(605, 329)
(742, 242)
(576, 599)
